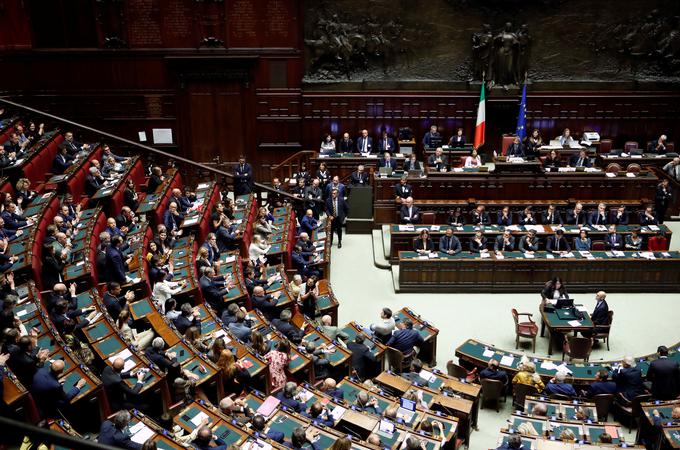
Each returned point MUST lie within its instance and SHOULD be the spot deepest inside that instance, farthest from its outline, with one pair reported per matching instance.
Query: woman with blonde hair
(527, 375)
(258, 248)
(233, 373)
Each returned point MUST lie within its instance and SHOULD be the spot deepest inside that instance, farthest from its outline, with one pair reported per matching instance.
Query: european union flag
(522, 117)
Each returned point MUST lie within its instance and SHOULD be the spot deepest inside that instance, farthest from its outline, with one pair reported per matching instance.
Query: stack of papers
(610, 175)
(507, 360)
(630, 175)
(140, 433)
(435, 228)
(574, 323)
(529, 256)
(567, 255)
(429, 376)
(548, 365)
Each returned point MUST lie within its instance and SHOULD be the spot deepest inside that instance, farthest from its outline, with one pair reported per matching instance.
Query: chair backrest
(613, 168)
(395, 359)
(657, 243)
(491, 389)
(428, 217)
(605, 145)
(597, 246)
(602, 403)
(636, 404)
(670, 147)
(630, 145)
(519, 393)
(633, 168)
(505, 143)
(580, 347)
(455, 370)
(515, 317)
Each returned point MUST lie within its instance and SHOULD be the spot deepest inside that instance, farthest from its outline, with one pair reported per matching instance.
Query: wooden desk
(561, 322)
(468, 272)
(428, 351)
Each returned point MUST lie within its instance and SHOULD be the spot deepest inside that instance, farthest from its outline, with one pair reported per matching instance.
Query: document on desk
(507, 360)
(563, 368)
(610, 175)
(488, 353)
(142, 435)
(574, 323)
(429, 376)
(406, 228)
(435, 228)
(618, 253)
(196, 420)
(630, 175)
(548, 365)
(654, 227)
(529, 255)
(337, 413)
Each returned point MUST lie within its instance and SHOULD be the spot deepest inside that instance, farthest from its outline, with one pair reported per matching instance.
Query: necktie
(365, 144)
(557, 242)
(385, 145)
(580, 162)
(335, 208)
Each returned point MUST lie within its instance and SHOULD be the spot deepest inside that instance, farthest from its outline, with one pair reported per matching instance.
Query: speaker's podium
(360, 204)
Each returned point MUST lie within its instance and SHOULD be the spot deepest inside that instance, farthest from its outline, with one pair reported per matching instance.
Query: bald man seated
(329, 386)
(49, 393)
(119, 393)
(331, 330)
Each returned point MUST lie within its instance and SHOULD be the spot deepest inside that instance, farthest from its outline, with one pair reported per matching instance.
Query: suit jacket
(243, 174)
(447, 243)
(629, 382)
(475, 247)
(432, 161)
(552, 244)
(342, 208)
(346, 146)
(403, 190)
(505, 221)
(361, 357)
(554, 219)
(613, 241)
(241, 330)
(525, 246)
(386, 148)
(412, 165)
(159, 358)
(577, 161)
(92, 185)
(500, 245)
(550, 163)
(290, 403)
(369, 144)
(602, 387)
(171, 221)
(13, 221)
(114, 305)
(561, 389)
(61, 163)
(115, 265)
(117, 391)
(340, 187)
(212, 292)
(644, 220)
(266, 304)
(427, 139)
(663, 196)
(574, 219)
(308, 225)
(182, 323)
(287, 329)
(457, 141)
(420, 245)
(154, 182)
(616, 220)
(598, 219)
(405, 339)
(409, 217)
(391, 163)
(110, 435)
(516, 150)
(600, 313)
(480, 219)
(664, 373)
(49, 394)
(359, 179)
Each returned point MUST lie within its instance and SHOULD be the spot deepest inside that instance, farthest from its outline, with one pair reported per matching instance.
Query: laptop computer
(407, 408)
(564, 303)
(385, 171)
(386, 428)
(555, 143)
(417, 173)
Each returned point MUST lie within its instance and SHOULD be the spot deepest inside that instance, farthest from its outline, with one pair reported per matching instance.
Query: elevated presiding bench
(402, 236)
(515, 271)
(478, 354)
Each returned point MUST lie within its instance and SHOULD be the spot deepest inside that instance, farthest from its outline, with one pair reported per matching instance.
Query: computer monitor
(416, 173)
(435, 141)
(564, 303)
(407, 404)
(385, 171)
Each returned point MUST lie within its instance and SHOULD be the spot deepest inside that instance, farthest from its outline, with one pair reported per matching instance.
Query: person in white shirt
(327, 145)
(258, 247)
(474, 160)
(383, 329)
(164, 289)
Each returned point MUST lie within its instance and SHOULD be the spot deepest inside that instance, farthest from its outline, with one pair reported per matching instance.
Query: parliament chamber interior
(257, 224)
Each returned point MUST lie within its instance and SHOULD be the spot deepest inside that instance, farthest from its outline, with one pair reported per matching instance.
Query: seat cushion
(528, 328)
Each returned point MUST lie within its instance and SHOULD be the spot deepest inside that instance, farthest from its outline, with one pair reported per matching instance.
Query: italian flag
(481, 121)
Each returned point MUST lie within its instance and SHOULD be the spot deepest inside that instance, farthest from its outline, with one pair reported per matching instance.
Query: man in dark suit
(314, 198)
(478, 242)
(302, 262)
(265, 303)
(364, 143)
(664, 197)
(504, 242)
(189, 317)
(516, 149)
(413, 375)
(601, 385)
(613, 240)
(551, 216)
(647, 217)
(115, 302)
(620, 216)
(243, 177)
(403, 190)
(14, 221)
(113, 432)
(408, 212)
(432, 137)
(439, 161)
(600, 315)
(336, 209)
(119, 394)
(329, 386)
(72, 145)
(457, 141)
(386, 144)
(335, 184)
(346, 144)
(405, 338)
(287, 397)
(480, 216)
(183, 202)
(494, 372)
(172, 219)
(449, 243)
(576, 216)
(387, 161)
(116, 266)
(628, 379)
(166, 361)
(214, 288)
(155, 179)
(283, 324)
(664, 375)
(580, 160)
(93, 181)
(49, 394)
(359, 178)
(599, 217)
(227, 235)
(26, 360)
(62, 161)
(557, 243)
(362, 358)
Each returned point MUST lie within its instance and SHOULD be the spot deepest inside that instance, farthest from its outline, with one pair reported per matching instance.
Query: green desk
(350, 395)
(75, 271)
(109, 346)
(183, 352)
(72, 378)
(538, 424)
(194, 367)
(141, 308)
(85, 299)
(149, 203)
(563, 321)
(48, 342)
(21, 263)
(593, 433)
(285, 424)
(17, 246)
(97, 330)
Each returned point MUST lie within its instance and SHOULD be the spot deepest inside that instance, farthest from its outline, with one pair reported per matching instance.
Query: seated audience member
(412, 163)
(214, 288)
(365, 143)
(478, 243)
(205, 438)
(514, 442)
(659, 421)
(647, 217)
(552, 161)
(504, 242)
(529, 243)
(583, 243)
(302, 262)
(359, 177)
(320, 415)
(114, 301)
(283, 325)
(189, 317)
(557, 385)
(240, 328)
(287, 397)
(633, 240)
(554, 289)
(613, 240)
(308, 223)
(599, 217)
(115, 432)
(628, 379)
(576, 216)
(557, 243)
(49, 394)
(363, 361)
(405, 338)
(566, 139)
(658, 146)
(456, 218)
(551, 216)
(619, 216)
(673, 168)
(664, 376)
(327, 145)
(600, 315)
(258, 424)
(527, 217)
(449, 243)
(533, 143)
(492, 371)
(163, 288)
(580, 160)
(332, 331)
(383, 329)
(403, 190)
(439, 161)
(227, 235)
(409, 213)
(458, 140)
(516, 149)
(601, 385)
(367, 404)
(504, 217)
(567, 435)
(13, 220)
(329, 387)
(120, 395)
(480, 216)
(387, 161)
(527, 375)
(265, 303)
(432, 137)
(62, 161)
(423, 243)
(474, 160)
(141, 340)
